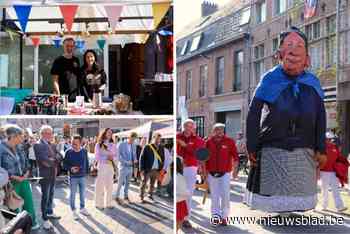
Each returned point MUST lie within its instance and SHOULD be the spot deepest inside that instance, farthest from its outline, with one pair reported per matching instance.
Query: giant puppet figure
(286, 127)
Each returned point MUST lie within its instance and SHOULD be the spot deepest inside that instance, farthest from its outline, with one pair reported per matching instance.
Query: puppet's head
(293, 51)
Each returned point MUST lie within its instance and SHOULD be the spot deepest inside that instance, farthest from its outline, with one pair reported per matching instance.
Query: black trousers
(47, 190)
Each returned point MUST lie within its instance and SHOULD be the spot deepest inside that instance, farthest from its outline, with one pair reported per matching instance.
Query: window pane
(220, 75)
(317, 32)
(9, 61)
(238, 66)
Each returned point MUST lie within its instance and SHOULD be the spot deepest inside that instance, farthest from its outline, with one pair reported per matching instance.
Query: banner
(22, 12)
(68, 12)
(113, 14)
(159, 10)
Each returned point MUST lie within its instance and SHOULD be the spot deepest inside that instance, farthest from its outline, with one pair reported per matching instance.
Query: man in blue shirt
(77, 164)
(127, 158)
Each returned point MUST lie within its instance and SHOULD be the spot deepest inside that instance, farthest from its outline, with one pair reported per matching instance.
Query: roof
(223, 26)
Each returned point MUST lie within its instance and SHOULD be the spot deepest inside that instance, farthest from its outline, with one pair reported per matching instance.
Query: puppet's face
(293, 55)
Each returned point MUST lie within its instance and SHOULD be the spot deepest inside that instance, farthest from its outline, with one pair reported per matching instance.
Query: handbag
(12, 200)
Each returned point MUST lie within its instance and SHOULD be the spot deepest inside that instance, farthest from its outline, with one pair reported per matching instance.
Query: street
(151, 217)
(200, 216)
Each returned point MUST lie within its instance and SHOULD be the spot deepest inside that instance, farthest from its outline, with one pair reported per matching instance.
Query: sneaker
(151, 197)
(47, 225)
(37, 226)
(53, 216)
(118, 201)
(342, 209)
(84, 212)
(75, 215)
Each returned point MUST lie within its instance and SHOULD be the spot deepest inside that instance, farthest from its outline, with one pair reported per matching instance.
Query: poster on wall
(4, 64)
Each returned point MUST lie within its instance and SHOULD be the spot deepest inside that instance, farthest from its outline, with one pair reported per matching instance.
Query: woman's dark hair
(95, 66)
(179, 166)
(283, 36)
(102, 138)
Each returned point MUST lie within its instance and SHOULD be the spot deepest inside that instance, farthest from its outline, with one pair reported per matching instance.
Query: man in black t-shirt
(65, 72)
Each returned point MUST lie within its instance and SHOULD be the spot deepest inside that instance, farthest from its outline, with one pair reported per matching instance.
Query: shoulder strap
(155, 152)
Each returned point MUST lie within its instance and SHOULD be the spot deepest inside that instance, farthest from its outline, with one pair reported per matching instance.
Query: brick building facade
(259, 42)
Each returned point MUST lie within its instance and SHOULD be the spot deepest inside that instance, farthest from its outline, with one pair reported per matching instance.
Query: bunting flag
(165, 33)
(159, 10)
(101, 43)
(68, 12)
(113, 13)
(35, 41)
(57, 42)
(80, 45)
(22, 12)
(310, 8)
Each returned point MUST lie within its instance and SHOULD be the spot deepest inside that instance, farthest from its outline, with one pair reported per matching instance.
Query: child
(182, 195)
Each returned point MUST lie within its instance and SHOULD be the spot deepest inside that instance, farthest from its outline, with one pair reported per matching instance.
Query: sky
(187, 11)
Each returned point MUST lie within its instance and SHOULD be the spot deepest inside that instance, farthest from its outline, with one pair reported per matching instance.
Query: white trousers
(328, 179)
(190, 174)
(220, 194)
(104, 185)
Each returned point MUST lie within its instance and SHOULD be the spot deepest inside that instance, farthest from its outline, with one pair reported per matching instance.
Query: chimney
(208, 8)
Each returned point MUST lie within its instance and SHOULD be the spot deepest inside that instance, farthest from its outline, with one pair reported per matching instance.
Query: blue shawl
(276, 80)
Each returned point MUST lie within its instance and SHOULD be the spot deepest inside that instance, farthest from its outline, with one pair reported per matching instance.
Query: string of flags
(68, 13)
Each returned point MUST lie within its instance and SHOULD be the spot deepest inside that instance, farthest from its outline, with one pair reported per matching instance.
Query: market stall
(133, 44)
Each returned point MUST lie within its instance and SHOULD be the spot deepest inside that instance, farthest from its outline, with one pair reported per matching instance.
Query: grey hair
(12, 130)
(45, 127)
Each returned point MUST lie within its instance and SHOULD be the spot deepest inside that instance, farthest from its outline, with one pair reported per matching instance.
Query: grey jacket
(46, 158)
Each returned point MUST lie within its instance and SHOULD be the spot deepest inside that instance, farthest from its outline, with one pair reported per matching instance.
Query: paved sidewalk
(151, 217)
(201, 216)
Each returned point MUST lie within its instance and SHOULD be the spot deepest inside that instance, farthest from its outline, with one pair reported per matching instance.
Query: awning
(167, 132)
(143, 130)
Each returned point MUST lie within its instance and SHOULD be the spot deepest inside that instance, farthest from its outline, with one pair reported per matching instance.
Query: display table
(105, 109)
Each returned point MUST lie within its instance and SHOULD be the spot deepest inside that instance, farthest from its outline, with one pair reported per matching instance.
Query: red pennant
(68, 13)
(35, 41)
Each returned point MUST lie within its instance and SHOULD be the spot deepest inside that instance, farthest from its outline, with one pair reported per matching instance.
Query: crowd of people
(26, 157)
(286, 145)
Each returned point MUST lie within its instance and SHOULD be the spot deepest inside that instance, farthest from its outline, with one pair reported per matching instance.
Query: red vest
(188, 153)
(221, 154)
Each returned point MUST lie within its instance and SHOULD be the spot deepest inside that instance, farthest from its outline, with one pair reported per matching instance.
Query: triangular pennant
(22, 12)
(101, 43)
(68, 13)
(165, 33)
(113, 14)
(159, 10)
(35, 41)
(57, 42)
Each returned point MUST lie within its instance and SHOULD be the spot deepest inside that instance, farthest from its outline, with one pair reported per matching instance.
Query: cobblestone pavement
(151, 217)
(201, 215)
